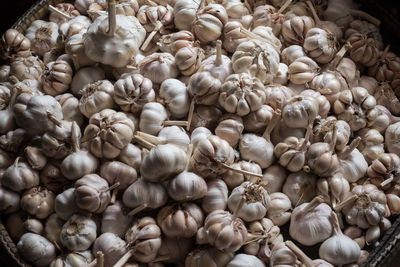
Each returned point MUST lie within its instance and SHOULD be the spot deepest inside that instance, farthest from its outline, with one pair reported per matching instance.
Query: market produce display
(199, 133)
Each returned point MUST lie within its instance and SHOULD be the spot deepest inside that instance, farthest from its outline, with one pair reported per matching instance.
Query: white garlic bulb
(85, 76)
(300, 111)
(152, 118)
(208, 256)
(216, 197)
(187, 186)
(234, 179)
(274, 177)
(36, 249)
(279, 211)
(320, 44)
(43, 36)
(209, 22)
(78, 233)
(114, 220)
(111, 246)
(92, 193)
(219, 65)
(391, 136)
(174, 94)
(158, 67)
(294, 30)
(245, 260)
(65, 205)
(300, 187)
(185, 13)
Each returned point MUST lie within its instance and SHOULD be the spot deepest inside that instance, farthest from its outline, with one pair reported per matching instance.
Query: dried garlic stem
(138, 209)
(300, 254)
(53, 119)
(112, 18)
(177, 123)
(59, 12)
(387, 181)
(339, 55)
(161, 258)
(150, 138)
(314, 13)
(157, 27)
(313, 204)
(111, 187)
(345, 202)
(143, 142)
(353, 145)
(240, 171)
(218, 55)
(366, 16)
(190, 116)
(125, 258)
(271, 125)
(100, 259)
(283, 8)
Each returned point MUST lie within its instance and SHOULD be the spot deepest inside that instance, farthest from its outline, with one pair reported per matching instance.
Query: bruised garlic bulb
(108, 132)
(216, 197)
(174, 94)
(78, 233)
(57, 77)
(152, 118)
(14, 42)
(96, 97)
(207, 256)
(38, 201)
(250, 201)
(158, 67)
(209, 22)
(302, 70)
(37, 249)
(310, 223)
(43, 36)
(295, 29)
(299, 187)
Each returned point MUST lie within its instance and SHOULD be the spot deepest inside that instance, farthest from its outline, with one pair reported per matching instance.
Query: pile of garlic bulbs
(199, 133)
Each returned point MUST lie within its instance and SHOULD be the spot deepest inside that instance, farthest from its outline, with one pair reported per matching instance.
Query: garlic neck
(112, 18)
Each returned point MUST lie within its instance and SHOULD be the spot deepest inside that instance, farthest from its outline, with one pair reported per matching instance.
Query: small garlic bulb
(174, 94)
(158, 67)
(294, 30)
(302, 70)
(38, 201)
(256, 148)
(57, 77)
(91, 193)
(43, 36)
(234, 179)
(310, 223)
(245, 260)
(208, 256)
(209, 22)
(205, 116)
(12, 42)
(216, 197)
(320, 44)
(78, 233)
(300, 111)
(36, 249)
(300, 187)
(258, 120)
(204, 88)
(279, 211)
(339, 249)
(152, 118)
(282, 255)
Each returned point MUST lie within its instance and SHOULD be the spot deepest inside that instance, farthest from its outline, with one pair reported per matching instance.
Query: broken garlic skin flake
(117, 50)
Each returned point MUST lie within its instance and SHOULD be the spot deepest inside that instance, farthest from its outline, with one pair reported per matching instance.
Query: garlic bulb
(158, 67)
(78, 233)
(333, 189)
(12, 42)
(185, 13)
(108, 132)
(258, 120)
(53, 227)
(282, 255)
(152, 118)
(70, 108)
(180, 220)
(187, 186)
(393, 202)
(57, 76)
(233, 35)
(323, 103)
(114, 220)
(75, 49)
(352, 163)
(117, 172)
(220, 66)
(386, 168)
(291, 53)
(85, 76)
(30, 67)
(174, 94)
(175, 249)
(279, 211)
(302, 70)
(96, 97)
(216, 197)
(209, 22)
(208, 256)
(131, 155)
(142, 194)
(204, 88)
(257, 58)
(111, 246)
(368, 206)
(224, 231)
(282, 76)
(371, 145)
(102, 39)
(205, 116)
(62, 12)
(295, 29)
(12, 141)
(391, 136)
(274, 177)
(37, 249)
(7, 120)
(310, 223)
(169, 135)
(339, 249)
(43, 36)
(383, 119)
(245, 260)
(234, 179)
(173, 42)
(20, 176)
(188, 59)
(356, 107)
(257, 149)
(320, 44)
(230, 128)
(9, 201)
(38, 201)
(299, 187)
(300, 111)
(210, 156)
(250, 201)
(323, 131)
(65, 205)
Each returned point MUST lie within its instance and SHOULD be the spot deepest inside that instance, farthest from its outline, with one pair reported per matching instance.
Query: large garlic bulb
(300, 111)
(209, 22)
(36, 249)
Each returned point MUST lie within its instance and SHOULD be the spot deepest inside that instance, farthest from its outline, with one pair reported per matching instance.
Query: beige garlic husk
(300, 111)
(356, 107)
(205, 116)
(255, 198)
(216, 197)
(115, 220)
(209, 22)
(333, 189)
(108, 132)
(204, 88)
(258, 59)
(78, 233)
(258, 120)
(300, 187)
(279, 211)
(210, 157)
(175, 96)
(57, 76)
(320, 44)
(36, 249)
(65, 205)
(366, 42)
(218, 65)
(9, 201)
(158, 67)
(292, 151)
(85, 76)
(163, 162)
(43, 36)
(23, 68)
(14, 42)
(152, 118)
(233, 35)
(111, 246)
(224, 231)
(95, 97)
(92, 193)
(131, 155)
(62, 12)
(295, 29)
(323, 103)
(188, 59)
(323, 131)
(310, 223)
(230, 128)
(371, 145)
(234, 179)
(291, 53)
(75, 49)
(207, 256)
(20, 176)
(142, 194)
(352, 163)
(70, 108)
(53, 227)
(79, 162)
(185, 14)
(38, 201)
(104, 43)
(364, 207)
(303, 70)
(173, 42)
(339, 249)
(180, 220)
(282, 76)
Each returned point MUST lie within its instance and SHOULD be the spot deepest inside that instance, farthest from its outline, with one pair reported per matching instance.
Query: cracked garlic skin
(37, 249)
(78, 233)
(117, 49)
(38, 201)
(256, 201)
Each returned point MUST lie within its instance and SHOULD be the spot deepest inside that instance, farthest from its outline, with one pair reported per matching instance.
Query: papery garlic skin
(111, 246)
(291, 53)
(84, 77)
(234, 179)
(53, 227)
(38, 201)
(209, 23)
(299, 187)
(9, 201)
(216, 197)
(20, 176)
(152, 118)
(14, 41)
(279, 211)
(153, 195)
(36, 249)
(43, 36)
(158, 67)
(78, 233)
(70, 108)
(91, 193)
(204, 88)
(30, 67)
(96, 97)
(320, 44)
(294, 30)
(185, 13)
(274, 177)
(245, 260)
(187, 186)
(175, 96)
(256, 148)
(65, 205)
(302, 70)
(57, 77)
(300, 111)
